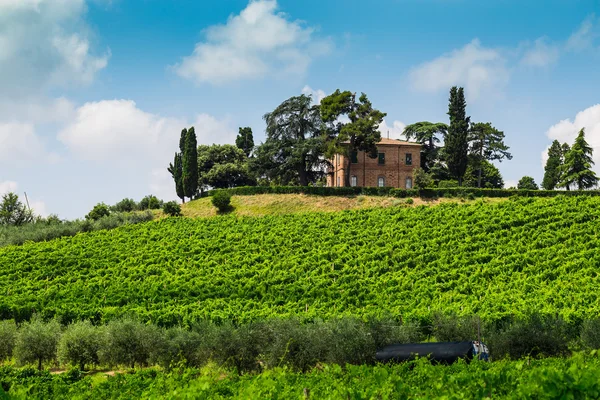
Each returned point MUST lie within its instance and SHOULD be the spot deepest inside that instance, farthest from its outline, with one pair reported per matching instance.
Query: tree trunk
(480, 164)
(39, 364)
(347, 174)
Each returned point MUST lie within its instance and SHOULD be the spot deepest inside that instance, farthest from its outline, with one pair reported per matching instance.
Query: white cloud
(584, 37)
(474, 67)
(257, 42)
(395, 130)
(567, 130)
(7, 187)
(44, 44)
(118, 133)
(508, 183)
(317, 95)
(541, 54)
(19, 144)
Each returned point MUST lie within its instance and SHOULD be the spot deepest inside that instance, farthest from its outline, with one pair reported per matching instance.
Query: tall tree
(577, 167)
(190, 164)
(176, 168)
(490, 176)
(293, 150)
(360, 134)
(13, 211)
(245, 140)
(552, 169)
(456, 142)
(486, 144)
(426, 133)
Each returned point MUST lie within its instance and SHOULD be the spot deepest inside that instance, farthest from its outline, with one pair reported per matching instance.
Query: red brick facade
(394, 168)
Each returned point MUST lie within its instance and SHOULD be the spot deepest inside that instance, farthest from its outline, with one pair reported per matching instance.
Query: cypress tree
(190, 164)
(245, 140)
(456, 143)
(577, 168)
(552, 168)
(176, 168)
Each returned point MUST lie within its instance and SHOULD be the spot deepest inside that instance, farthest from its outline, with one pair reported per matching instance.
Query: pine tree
(456, 143)
(577, 167)
(487, 144)
(552, 168)
(190, 164)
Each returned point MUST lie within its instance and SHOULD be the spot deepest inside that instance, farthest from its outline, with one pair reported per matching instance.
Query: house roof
(394, 142)
(397, 142)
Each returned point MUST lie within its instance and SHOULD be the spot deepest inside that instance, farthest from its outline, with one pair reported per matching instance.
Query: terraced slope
(511, 257)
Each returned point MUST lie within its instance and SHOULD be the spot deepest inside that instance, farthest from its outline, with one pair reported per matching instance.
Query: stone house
(393, 166)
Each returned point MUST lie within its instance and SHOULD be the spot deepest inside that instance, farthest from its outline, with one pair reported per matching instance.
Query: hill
(491, 259)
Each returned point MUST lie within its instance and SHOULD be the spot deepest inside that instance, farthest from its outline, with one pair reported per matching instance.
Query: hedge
(393, 192)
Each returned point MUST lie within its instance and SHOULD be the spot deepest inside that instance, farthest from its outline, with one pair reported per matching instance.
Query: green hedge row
(390, 191)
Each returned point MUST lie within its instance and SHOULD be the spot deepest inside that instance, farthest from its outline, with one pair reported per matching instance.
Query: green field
(574, 378)
(489, 259)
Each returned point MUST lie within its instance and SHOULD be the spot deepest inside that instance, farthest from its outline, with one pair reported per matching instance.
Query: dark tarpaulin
(443, 352)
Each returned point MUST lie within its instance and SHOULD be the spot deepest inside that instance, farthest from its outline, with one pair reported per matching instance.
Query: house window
(409, 183)
(338, 181)
(337, 159)
(408, 159)
(381, 159)
(381, 181)
(354, 157)
(353, 180)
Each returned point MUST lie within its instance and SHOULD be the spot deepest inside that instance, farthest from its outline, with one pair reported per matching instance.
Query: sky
(94, 93)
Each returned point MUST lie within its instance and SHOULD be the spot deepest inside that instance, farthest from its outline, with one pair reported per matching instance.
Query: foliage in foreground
(575, 377)
(493, 260)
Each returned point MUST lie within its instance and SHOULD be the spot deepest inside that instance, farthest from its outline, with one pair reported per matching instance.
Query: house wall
(367, 170)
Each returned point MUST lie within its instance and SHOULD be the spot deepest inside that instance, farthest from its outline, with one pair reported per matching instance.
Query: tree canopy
(486, 144)
(426, 133)
(222, 166)
(293, 150)
(361, 133)
(527, 183)
(552, 170)
(13, 211)
(245, 140)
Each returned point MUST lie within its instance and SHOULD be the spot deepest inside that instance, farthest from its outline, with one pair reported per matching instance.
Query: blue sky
(94, 93)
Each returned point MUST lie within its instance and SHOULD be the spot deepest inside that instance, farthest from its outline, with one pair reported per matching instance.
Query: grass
(281, 204)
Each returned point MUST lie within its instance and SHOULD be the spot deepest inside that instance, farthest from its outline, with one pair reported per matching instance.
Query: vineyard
(514, 257)
(572, 378)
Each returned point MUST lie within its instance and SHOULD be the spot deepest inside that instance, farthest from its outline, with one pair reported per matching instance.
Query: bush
(410, 201)
(125, 205)
(150, 202)
(447, 184)
(183, 346)
(239, 347)
(100, 210)
(8, 335)
(129, 342)
(222, 200)
(452, 328)
(590, 333)
(422, 179)
(37, 341)
(535, 336)
(79, 345)
(172, 208)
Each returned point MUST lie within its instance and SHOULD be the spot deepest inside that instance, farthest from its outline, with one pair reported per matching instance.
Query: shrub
(8, 335)
(410, 201)
(447, 184)
(222, 200)
(172, 208)
(534, 336)
(79, 344)
(452, 328)
(129, 342)
(183, 346)
(422, 179)
(239, 347)
(37, 342)
(590, 333)
(125, 205)
(100, 210)
(350, 342)
(150, 202)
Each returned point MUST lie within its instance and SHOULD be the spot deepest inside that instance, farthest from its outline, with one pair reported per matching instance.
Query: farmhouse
(393, 166)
